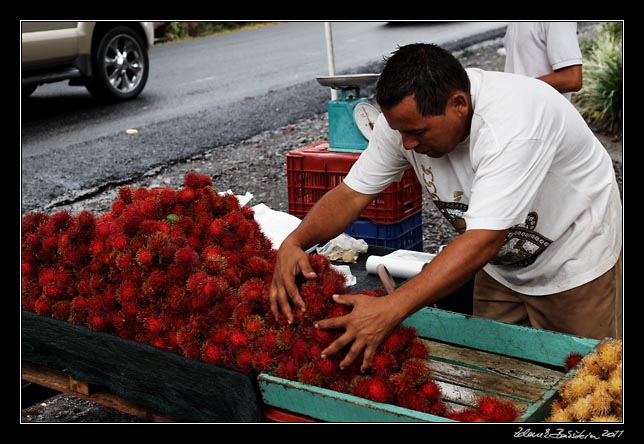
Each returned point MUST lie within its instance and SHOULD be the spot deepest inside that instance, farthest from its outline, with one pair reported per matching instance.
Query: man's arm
(328, 218)
(372, 319)
(568, 79)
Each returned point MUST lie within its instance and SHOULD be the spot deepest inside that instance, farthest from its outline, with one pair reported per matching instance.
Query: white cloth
(530, 163)
(538, 48)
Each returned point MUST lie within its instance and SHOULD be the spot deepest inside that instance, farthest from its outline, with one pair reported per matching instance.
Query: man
(548, 51)
(511, 163)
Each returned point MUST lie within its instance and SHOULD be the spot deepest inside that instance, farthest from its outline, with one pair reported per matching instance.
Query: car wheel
(120, 65)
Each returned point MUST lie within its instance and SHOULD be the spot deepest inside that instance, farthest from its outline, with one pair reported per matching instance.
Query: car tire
(120, 65)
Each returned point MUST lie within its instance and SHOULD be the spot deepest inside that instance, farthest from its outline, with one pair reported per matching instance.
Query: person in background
(548, 51)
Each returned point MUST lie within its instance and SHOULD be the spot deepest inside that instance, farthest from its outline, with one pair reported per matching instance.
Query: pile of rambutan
(594, 392)
(189, 271)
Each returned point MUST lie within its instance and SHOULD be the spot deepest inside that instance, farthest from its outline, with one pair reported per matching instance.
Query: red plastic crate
(313, 170)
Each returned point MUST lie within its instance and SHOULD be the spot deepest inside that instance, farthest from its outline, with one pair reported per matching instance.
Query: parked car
(109, 58)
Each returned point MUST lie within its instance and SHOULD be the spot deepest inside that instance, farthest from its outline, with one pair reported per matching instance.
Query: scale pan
(349, 81)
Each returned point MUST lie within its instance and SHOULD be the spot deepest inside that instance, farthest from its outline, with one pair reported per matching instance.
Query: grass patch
(171, 32)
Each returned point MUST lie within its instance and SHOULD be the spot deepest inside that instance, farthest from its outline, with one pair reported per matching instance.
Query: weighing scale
(351, 117)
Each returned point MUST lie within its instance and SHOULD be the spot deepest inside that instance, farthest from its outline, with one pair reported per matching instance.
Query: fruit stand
(160, 308)
(469, 357)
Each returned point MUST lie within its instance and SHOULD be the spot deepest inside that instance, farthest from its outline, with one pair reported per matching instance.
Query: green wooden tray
(469, 357)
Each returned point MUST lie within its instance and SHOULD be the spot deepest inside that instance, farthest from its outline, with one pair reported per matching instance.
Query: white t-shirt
(538, 48)
(530, 163)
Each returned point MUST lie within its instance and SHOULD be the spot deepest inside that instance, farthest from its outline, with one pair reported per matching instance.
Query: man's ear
(459, 103)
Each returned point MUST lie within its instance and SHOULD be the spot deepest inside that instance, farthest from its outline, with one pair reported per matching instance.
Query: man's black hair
(425, 71)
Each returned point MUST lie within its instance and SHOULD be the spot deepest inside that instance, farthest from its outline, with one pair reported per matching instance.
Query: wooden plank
(81, 387)
(494, 363)
(485, 383)
(64, 383)
(458, 397)
(530, 344)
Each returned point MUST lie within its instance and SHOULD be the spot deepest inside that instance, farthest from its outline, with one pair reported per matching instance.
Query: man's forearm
(448, 271)
(568, 79)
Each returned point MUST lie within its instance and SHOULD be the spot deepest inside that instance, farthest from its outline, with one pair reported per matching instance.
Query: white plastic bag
(343, 248)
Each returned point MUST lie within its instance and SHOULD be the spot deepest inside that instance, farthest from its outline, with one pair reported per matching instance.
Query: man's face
(434, 136)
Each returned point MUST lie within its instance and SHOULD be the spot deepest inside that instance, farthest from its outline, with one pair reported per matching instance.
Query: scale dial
(365, 116)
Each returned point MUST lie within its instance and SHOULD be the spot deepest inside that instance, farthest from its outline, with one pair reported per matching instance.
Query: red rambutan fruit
(321, 336)
(118, 241)
(245, 359)
(338, 310)
(418, 349)
(309, 374)
(154, 326)
(430, 390)
(415, 371)
(359, 386)
(43, 305)
(217, 228)
(186, 196)
(239, 339)
(241, 312)
(186, 255)
(155, 284)
(117, 207)
(319, 263)
(195, 281)
(286, 337)
(287, 369)
(27, 268)
(396, 341)
(254, 325)
(267, 341)
(214, 287)
(258, 266)
(60, 310)
(230, 241)
(299, 350)
(252, 290)
(496, 410)
(384, 364)
(263, 361)
(144, 258)
(46, 276)
(571, 361)
(125, 194)
(31, 221)
(326, 367)
(212, 353)
(196, 180)
(97, 322)
(379, 390)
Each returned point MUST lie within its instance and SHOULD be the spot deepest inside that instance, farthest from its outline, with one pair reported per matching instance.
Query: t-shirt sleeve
(562, 44)
(381, 163)
(506, 182)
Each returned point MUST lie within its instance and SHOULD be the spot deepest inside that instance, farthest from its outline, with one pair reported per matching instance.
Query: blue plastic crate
(406, 234)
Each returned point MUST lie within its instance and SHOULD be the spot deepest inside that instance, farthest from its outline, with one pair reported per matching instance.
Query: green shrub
(600, 100)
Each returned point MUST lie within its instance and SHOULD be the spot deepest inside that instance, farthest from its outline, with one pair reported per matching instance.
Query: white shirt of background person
(545, 50)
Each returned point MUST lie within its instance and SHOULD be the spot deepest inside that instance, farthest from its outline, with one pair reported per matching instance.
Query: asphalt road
(201, 94)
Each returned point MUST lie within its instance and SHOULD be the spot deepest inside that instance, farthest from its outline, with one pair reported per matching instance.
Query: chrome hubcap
(124, 63)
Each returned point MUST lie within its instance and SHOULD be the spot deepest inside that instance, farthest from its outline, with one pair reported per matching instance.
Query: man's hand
(365, 327)
(291, 261)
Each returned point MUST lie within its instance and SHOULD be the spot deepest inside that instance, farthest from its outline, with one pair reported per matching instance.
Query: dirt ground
(257, 165)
